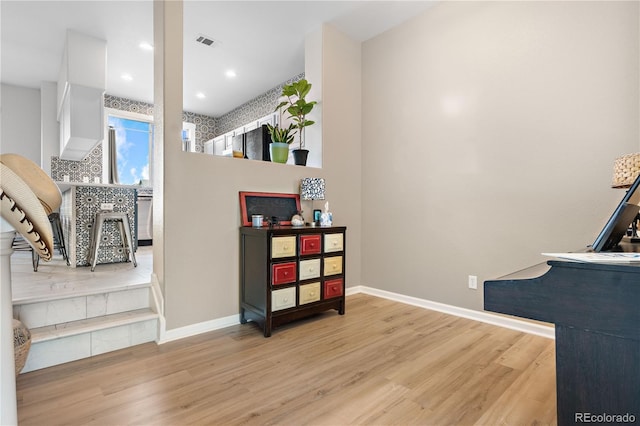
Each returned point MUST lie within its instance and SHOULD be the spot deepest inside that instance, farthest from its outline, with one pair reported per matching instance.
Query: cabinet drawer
(310, 244)
(332, 265)
(309, 293)
(333, 242)
(283, 247)
(283, 299)
(283, 273)
(333, 288)
(309, 269)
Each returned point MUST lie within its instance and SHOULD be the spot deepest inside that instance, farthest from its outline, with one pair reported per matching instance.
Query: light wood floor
(382, 363)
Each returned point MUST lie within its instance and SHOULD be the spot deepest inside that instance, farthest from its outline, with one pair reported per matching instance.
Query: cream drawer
(283, 299)
(309, 293)
(333, 242)
(309, 269)
(332, 265)
(283, 246)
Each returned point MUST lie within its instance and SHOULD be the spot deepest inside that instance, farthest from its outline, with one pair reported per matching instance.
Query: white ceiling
(262, 41)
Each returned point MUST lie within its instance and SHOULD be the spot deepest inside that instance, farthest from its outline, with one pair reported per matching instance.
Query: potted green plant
(281, 138)
(298, 108)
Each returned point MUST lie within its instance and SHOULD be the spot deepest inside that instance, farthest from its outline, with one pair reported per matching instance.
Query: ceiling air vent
(206, 40)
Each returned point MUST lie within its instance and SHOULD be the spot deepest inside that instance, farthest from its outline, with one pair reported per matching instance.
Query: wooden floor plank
(382, 363)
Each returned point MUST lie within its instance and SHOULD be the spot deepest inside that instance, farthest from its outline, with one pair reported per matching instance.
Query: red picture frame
(268, 204)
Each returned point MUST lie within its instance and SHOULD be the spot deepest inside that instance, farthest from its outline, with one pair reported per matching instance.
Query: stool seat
(122, 221)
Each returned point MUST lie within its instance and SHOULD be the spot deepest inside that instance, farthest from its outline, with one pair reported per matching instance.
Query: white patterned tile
(117, 301)
(58, 351)
(207, 128)
(252, 110)
(143, 332)
(89, 167)
(53, 312)
(110, 339)
(97, 305)
(88, 201)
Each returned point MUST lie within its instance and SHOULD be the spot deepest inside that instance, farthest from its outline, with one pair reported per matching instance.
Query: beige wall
(466, 141)
(200, 273)
(489, 134)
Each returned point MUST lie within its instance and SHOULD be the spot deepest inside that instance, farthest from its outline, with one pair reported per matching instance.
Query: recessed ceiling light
(200, 95)
(230, 73)
(127, 77)
(145, 46)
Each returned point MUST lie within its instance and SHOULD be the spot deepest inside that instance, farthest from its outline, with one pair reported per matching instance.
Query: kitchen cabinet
(81, 122)
(228, 140)
(271, 119)
(208, 147)
(215, 146)
(223, 145)
(81, 86)
(287, 273)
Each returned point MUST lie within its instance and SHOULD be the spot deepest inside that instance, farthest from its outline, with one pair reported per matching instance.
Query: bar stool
(122, 221)
(58, 238)
(19, 243)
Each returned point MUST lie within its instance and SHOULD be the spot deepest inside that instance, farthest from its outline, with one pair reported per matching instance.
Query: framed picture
(270, 205)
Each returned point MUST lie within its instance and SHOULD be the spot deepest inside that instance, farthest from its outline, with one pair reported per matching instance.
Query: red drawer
(283, 273)
(332, 288)
(310, 244)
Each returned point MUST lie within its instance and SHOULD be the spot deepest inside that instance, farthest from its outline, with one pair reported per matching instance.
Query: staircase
(73, 313)
(80, 326)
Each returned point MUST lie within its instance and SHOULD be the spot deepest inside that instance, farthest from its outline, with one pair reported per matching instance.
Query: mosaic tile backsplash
(205, 125)
(252, 110)
(87, 204)
(207, 128)
(89, 168)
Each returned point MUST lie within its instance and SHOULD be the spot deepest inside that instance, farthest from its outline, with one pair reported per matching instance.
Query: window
(134, 142)
(134, 146)
(188, 137)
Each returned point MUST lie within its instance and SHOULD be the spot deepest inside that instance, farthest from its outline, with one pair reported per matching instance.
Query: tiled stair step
(48, 312)
(60, 343)
(42, 334)
(65, 291)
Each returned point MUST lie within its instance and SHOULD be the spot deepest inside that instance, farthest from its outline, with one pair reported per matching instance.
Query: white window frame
(189, 127)
(191, 132)
(105, 142)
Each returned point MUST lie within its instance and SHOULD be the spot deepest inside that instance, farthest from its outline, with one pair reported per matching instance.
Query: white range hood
(81, 87)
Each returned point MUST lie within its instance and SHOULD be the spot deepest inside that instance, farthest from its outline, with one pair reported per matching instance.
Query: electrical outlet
(106, 207)
(473, 282)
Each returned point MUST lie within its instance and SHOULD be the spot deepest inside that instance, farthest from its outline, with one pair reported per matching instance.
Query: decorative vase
(21, 344)
(279, 152)
(297, 220)
(300, 157)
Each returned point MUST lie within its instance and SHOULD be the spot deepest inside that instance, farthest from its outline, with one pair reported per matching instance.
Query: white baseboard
(486, 317)
(199, 328)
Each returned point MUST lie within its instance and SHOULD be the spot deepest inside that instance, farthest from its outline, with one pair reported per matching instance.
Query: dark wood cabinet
(287, 273)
